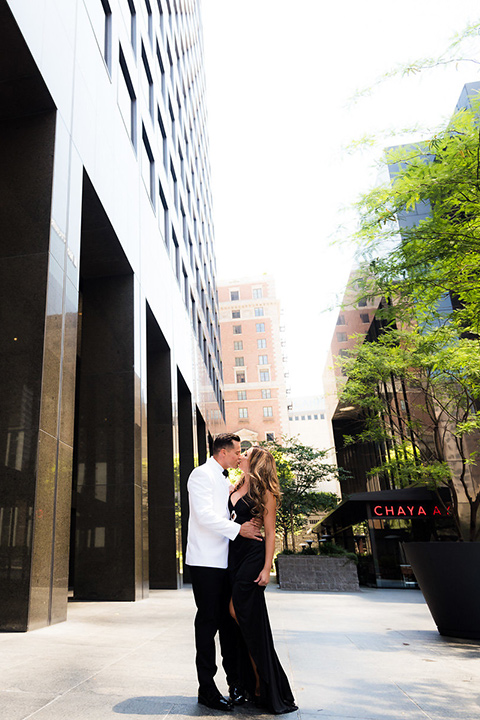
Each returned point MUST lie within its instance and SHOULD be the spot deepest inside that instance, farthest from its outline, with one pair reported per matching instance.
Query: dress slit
(246, 560)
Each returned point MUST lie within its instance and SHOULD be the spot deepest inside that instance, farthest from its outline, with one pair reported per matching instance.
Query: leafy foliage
(328, 549)
(332, 550)
(300, 468)
(420, 236)
(436, 252)
(437, 375)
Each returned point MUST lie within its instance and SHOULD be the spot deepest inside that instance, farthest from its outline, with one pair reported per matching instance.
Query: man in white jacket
(209, 532)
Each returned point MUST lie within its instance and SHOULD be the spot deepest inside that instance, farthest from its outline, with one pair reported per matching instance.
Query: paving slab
(368, 655)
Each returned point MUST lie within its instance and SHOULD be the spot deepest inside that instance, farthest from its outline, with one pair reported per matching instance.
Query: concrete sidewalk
(371, 655)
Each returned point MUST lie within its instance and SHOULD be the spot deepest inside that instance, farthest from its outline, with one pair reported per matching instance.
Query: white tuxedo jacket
(209, 526)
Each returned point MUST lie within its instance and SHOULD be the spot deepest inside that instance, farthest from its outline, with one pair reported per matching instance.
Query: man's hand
(251, 530)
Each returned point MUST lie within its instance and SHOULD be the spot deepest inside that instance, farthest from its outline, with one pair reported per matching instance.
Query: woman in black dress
(256, 495)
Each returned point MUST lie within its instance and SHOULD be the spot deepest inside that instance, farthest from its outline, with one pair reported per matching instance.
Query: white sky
(280, 74)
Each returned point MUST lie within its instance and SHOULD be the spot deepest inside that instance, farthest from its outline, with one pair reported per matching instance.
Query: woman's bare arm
(269, 526)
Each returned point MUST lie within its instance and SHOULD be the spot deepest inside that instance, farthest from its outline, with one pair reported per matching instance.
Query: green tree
(418, 391)
(420, 235)
(439, 254)
(419, 239)
(300, 468)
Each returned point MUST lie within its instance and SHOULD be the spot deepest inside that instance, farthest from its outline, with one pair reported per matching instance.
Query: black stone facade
(102, 415)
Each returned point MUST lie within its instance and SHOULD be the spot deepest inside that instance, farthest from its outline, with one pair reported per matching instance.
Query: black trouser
(212, 592)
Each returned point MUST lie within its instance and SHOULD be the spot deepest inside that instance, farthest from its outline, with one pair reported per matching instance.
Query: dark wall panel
(162, 519)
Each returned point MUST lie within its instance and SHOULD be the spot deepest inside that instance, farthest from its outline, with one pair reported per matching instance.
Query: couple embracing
(230, 561)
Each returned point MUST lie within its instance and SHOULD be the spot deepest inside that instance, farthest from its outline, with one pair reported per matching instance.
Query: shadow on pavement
(175, 705)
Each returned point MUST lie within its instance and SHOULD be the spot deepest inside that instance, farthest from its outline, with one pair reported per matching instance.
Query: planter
(316, 572)
(448, 574)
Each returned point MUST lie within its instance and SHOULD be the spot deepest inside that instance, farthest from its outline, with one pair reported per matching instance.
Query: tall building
(355, 320)
(253, 353)
(307, 421)
(111, 378)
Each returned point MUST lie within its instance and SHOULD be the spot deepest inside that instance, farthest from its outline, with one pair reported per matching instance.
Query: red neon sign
(413, 510)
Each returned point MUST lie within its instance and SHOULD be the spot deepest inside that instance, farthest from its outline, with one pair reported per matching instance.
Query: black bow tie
(225, 472)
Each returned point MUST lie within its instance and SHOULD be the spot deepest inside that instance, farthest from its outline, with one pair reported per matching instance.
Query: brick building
(253, 353)
(355, 319)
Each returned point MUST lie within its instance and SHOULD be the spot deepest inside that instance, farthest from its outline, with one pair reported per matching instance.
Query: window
(264, 375)
(257, 293)
(262, 343)
(160, 10)
(322, 416)
(343, 353)
(341, 320)
(235, 314)
(243, 412)
(100, 16)
(148, 168)
(364, 317)
(260, 327)
(240, 376)
(245, 445)
(149, 20)
(176, 256)
(362, 302)
(263, 359)
(162, 71)
(259, 312)
(296, 417)
(290, 418)
(239, 362)
(342, 337)
(193, 313)
(126, 100)
(266, 394)
(267, 412)
(309, 417)
(302, 417)
(190, 253)
(163, 135)
(173, 179)
(238, 345)
(130, 15)
(173, 127)
(270, 436)
(163, 218)
(315, 417)
(186, 293)
(241, 394)
(234, 295)
(237, 329)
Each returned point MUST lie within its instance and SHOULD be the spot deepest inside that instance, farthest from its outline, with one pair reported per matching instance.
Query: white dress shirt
(209, 526)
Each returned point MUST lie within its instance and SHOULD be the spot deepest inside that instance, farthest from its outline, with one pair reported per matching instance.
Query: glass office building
(110, 366)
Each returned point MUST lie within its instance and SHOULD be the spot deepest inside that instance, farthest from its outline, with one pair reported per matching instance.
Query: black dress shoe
(217, 702)
(237, 696)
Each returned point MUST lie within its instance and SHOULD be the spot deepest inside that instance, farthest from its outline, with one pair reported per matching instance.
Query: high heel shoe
(258, 701)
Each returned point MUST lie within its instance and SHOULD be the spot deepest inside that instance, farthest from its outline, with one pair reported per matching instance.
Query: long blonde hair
(263, 477)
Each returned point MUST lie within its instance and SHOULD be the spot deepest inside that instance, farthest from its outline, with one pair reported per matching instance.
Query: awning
(415, 502)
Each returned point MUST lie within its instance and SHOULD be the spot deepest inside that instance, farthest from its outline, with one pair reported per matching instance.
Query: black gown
(245, 561)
